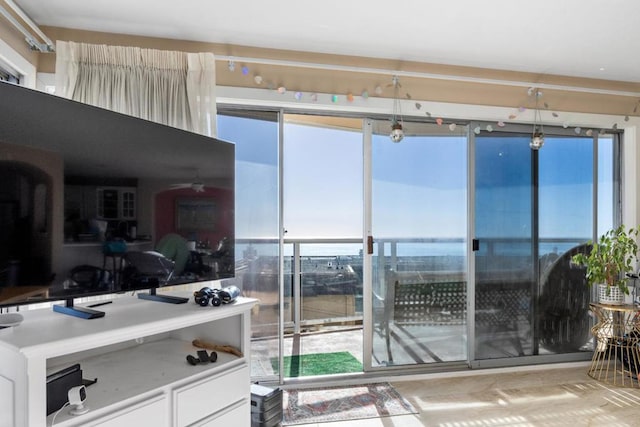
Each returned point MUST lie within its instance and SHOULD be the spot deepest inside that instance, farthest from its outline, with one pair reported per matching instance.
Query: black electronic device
(58, 385)
(266, 406)
(55, 170)
(203, 357)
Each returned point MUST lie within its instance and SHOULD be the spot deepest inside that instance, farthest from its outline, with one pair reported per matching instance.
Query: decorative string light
(397, 132)
(537, 137)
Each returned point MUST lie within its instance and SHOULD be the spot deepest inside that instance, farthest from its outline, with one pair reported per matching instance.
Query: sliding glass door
(322, 194)
(418, 245)
(533, 211)
(504, 245)
(398, 262)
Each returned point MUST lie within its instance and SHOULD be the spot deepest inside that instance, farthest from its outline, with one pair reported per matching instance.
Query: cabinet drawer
(238, 415)
(152, 412)
(205, 397)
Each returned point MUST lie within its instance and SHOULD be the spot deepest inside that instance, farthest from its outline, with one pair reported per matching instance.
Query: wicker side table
(616, 359)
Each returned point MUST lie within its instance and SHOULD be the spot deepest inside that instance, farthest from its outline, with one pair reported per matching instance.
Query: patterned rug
(307, 406)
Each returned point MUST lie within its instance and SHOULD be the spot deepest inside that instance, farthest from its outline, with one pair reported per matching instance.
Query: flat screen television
(95, 202)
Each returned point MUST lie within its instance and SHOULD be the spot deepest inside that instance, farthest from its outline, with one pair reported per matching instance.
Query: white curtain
(172, 88)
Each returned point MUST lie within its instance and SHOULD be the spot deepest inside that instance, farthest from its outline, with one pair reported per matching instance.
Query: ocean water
(456, 248)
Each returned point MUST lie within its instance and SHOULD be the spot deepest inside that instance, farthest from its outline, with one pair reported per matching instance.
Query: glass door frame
(367, 245)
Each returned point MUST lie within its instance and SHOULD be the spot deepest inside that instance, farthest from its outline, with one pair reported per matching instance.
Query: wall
(14, 52)
(440, 90)
(51, 164)
(15, 39)
(424, 81)
(165, 219)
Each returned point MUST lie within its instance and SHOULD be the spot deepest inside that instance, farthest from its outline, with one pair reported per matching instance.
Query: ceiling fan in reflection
(196, 185)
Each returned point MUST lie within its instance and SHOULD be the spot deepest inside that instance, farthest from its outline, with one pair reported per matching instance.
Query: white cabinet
(137, 351)
(127, 204)
(188, 400)
(236, 415)
(116, 203)
(148, 413)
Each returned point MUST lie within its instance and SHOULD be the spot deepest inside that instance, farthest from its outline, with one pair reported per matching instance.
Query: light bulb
(537, 141)
(397, 133)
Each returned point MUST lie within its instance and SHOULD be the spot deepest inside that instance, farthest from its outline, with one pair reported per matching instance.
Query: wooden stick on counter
(217, 347)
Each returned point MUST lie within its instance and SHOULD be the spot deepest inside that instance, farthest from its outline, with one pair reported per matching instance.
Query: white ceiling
(585, 38)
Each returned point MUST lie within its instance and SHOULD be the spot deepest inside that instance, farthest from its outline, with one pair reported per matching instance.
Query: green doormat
(307, 365)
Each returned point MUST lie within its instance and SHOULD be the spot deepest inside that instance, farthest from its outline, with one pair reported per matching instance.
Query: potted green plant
(611, 258)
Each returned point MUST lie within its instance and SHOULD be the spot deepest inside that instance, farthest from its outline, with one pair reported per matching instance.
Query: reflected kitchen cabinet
(116, 203)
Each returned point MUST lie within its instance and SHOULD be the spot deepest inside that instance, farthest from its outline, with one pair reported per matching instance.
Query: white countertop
(99, 244)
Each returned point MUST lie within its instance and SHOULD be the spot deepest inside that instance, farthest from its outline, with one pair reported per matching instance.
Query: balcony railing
(323, 278)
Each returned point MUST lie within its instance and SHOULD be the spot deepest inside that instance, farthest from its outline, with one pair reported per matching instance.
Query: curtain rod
(416, 74)
(47, 46)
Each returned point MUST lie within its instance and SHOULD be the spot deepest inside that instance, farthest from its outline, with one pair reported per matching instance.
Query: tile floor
(554, 395)
(562, 396)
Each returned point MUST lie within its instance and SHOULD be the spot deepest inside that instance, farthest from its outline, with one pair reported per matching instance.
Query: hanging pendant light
(537, 137)
(397, 133)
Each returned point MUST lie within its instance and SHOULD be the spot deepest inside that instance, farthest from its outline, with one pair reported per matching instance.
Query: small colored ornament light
(397, 133)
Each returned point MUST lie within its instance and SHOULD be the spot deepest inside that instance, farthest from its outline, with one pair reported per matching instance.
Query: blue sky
(419, 187)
